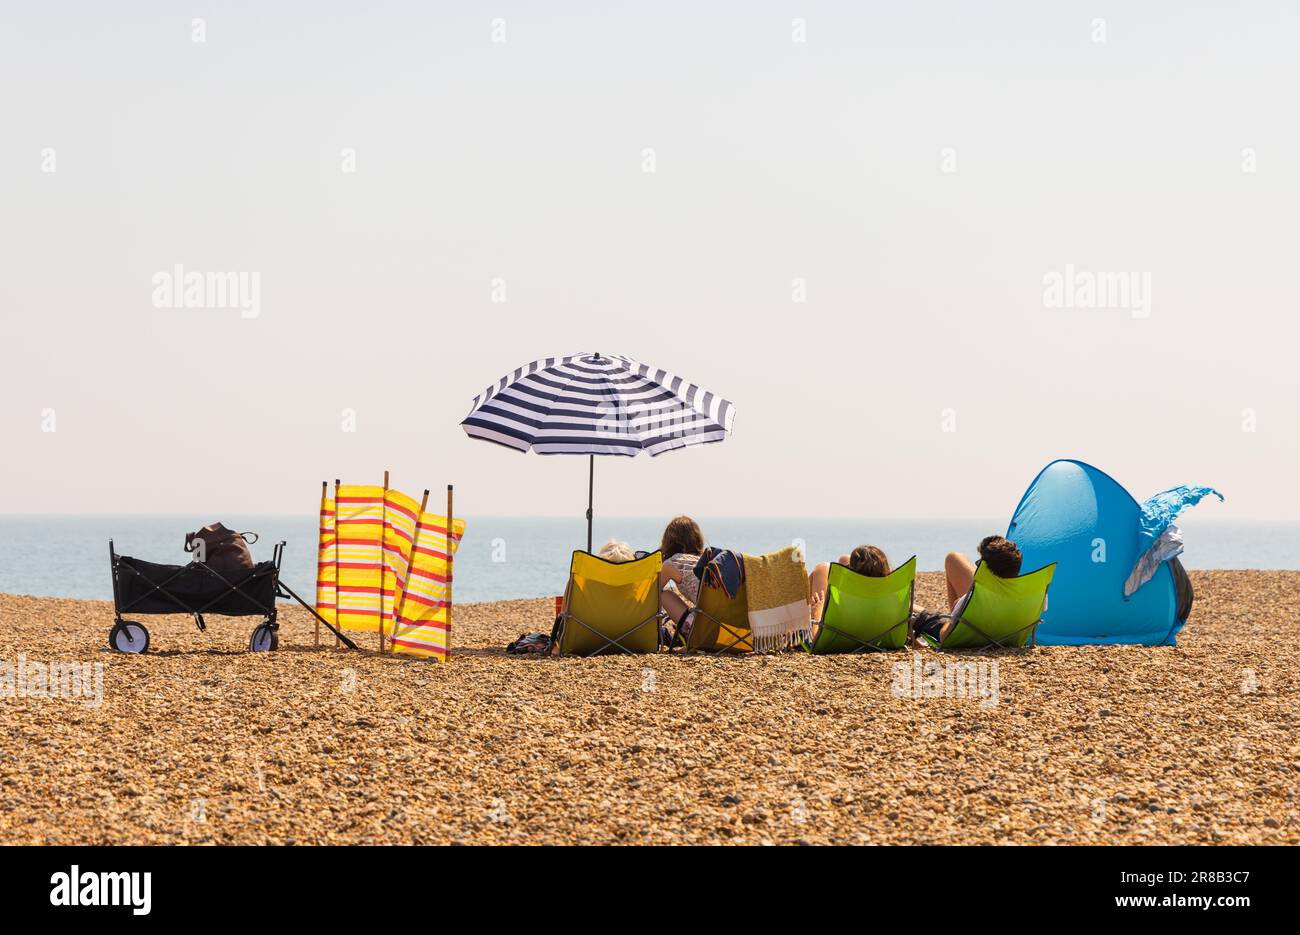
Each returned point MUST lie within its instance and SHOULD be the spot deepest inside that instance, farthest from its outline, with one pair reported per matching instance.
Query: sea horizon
(513, 557)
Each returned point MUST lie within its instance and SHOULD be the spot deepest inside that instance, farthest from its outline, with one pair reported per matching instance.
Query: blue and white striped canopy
(597, 404)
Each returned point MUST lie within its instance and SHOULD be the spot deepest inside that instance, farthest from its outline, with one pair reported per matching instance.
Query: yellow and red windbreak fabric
(422, 622)
(326, 553)
(354, 548)
(400, 515)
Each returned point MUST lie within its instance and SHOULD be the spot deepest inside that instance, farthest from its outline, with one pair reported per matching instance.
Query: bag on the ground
(930, 623)
(221, 548)
(529, 643)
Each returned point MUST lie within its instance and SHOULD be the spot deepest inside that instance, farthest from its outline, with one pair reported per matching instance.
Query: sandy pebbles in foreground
(201, 742)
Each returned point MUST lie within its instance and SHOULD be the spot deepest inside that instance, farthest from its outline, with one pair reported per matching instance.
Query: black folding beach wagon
(141, 587)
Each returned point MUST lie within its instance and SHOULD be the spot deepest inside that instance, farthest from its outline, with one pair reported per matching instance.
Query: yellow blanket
(777, 585)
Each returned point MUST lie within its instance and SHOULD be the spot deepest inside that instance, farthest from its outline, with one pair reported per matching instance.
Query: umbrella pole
(591, 489)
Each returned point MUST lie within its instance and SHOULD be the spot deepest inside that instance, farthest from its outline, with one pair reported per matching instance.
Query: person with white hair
(616, 550)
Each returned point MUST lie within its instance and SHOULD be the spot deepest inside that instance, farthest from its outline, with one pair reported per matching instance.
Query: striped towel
(778, 599)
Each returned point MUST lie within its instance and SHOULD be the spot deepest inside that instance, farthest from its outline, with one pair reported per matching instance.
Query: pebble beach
(201, 742)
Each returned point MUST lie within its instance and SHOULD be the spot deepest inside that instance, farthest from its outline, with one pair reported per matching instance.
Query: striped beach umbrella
(597, 404)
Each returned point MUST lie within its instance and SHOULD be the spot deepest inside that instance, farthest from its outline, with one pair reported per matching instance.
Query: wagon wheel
(127, 636)
(265, 639)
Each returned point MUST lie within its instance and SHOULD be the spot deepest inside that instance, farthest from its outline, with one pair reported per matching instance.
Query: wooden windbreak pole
(383, 558)
(338, 585)
(324, 489)
(415, 547)
(450, 519)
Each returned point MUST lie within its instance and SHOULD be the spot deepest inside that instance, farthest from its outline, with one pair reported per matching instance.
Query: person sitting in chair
(679, 588)
(1000, 555)
(616, 551)
(868, 560)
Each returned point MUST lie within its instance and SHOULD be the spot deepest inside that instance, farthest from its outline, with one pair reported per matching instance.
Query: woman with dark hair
(679, 589)
(866, 560)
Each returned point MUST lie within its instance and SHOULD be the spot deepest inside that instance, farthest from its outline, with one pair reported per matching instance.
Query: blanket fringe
(776, 642)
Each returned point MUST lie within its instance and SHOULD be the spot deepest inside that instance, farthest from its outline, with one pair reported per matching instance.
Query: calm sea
(503, 557)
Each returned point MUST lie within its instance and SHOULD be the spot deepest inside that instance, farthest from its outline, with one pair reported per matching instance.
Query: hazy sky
(923, 168)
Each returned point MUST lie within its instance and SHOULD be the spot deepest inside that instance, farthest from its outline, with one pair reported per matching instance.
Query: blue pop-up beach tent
(1082, 519)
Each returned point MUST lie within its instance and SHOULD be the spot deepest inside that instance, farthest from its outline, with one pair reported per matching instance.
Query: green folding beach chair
(721, 623)
(1000, 611)
(865, 614)
(610, 607)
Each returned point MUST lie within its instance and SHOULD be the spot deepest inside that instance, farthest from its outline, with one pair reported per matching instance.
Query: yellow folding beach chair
(721, 623)
(610, 607)
(1002, 612)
